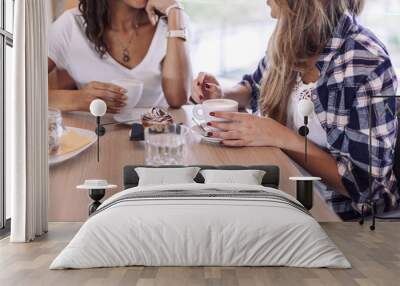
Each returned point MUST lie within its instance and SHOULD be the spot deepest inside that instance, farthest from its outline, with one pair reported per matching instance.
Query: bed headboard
(271, 178)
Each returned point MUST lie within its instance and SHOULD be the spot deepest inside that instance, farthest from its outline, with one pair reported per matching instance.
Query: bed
(198, 224)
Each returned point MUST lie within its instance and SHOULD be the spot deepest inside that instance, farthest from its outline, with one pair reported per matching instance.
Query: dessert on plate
(157, 119)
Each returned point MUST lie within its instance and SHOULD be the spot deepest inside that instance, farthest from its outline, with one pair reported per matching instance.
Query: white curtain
(26, 117)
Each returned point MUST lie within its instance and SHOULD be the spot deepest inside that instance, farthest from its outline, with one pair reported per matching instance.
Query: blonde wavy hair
(304, 28)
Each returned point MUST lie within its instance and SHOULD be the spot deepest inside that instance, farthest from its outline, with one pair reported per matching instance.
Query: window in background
(383, 18)
(231, 36)
(8, 68)
(6, 44)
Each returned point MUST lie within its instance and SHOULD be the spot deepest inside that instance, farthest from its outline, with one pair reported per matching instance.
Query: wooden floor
(375, 257)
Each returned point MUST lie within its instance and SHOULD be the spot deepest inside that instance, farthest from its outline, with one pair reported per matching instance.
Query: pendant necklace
(126, 57)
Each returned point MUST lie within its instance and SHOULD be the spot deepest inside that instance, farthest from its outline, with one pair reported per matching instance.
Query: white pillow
(166, 176)
(246, 177)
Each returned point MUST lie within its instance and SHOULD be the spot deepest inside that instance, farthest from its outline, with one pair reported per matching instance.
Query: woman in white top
(106, 40)
(319, 52)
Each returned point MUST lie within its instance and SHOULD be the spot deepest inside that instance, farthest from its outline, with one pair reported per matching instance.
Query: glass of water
(166, 146)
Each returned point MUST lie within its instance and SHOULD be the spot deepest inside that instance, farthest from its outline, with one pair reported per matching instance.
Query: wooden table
(67, 204)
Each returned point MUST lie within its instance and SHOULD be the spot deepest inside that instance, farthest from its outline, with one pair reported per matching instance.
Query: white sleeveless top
(295, 120)
(70, 50)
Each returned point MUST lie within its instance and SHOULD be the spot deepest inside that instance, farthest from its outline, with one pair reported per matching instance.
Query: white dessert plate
(57, 159)
(132, 116)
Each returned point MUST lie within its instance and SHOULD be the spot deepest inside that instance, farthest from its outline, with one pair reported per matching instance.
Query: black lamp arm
(115, 123)
(137, 132)
(101, 130)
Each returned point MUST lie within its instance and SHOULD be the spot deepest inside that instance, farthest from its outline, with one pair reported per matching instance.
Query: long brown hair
(97, 17)
(304, 28)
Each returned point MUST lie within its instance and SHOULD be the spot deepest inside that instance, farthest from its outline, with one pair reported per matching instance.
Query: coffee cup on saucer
(134, 92)
(202, 111)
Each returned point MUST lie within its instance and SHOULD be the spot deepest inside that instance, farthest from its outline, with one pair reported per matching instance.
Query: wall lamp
(98, 108)
(305, 185)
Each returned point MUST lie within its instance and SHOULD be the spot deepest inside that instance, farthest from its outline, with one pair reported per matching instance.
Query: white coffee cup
(202, 111)
(134, 92)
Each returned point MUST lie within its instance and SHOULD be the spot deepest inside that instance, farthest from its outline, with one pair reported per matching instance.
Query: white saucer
(131, 116)
(196, 129)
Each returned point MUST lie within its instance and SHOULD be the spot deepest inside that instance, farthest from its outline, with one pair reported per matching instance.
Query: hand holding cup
(202, 112)
(113, 95)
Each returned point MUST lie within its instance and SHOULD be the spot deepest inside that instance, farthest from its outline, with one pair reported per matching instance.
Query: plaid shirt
(354, 67)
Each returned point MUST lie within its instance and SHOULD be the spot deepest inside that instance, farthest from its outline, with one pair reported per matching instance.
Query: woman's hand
(206, 86)
(248, 130)
(157, 5)
(113, 95)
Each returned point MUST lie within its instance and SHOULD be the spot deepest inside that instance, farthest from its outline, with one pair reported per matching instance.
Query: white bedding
(200, 232)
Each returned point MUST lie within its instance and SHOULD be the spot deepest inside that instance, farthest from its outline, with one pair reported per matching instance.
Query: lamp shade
(98, 108)
(306, 107)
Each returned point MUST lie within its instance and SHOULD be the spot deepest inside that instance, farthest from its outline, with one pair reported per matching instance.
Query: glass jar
(55, 129)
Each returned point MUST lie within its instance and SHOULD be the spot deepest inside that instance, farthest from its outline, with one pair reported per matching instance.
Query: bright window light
(231, 36)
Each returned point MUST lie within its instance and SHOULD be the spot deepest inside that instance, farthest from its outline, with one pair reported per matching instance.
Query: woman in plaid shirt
(320, 42)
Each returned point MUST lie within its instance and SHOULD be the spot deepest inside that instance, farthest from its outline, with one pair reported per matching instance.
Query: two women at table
(318, 51)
